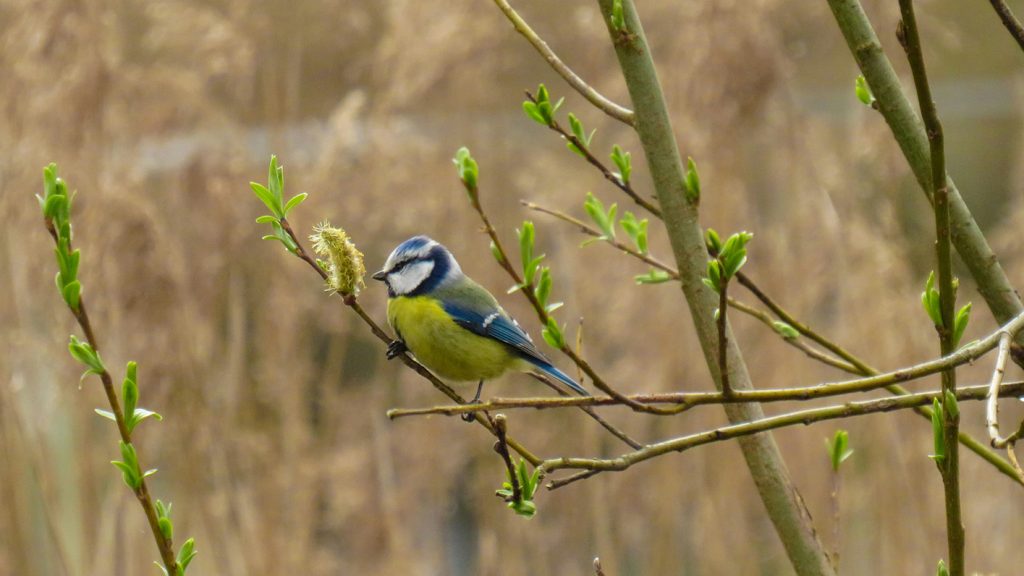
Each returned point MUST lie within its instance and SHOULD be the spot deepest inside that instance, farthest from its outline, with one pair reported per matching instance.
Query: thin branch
(802, 417)
(610, 108)
(163, 543)
(353, 303)
(1011, 22)
(847, 361)
(611, 428)
(501, 447)
(992, 406)
(950, 465)
(605, 171)
(723, 337)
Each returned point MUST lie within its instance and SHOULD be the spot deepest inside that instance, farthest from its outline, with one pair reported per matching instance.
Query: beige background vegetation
(275, 449)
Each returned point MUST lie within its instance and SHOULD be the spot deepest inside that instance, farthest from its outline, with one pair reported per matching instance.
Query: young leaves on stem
(930, 302)
(542, 111)
(838, 448)
(623, 162)
(272, 196)
(528, 483)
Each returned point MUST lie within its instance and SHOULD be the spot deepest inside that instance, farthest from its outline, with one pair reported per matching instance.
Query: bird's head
(418, 266)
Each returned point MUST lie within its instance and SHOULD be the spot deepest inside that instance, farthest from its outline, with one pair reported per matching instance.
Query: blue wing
(494, 323)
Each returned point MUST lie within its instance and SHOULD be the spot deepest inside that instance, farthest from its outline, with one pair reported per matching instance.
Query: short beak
(379, 275)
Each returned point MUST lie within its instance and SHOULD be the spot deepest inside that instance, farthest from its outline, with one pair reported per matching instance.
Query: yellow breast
(449, 350)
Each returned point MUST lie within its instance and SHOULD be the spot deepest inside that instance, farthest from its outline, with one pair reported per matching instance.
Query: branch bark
(651, 119)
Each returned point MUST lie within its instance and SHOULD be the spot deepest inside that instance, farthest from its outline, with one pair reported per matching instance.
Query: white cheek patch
(410, 277)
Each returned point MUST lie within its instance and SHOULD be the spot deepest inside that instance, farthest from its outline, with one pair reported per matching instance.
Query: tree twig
(950, 465)
(163, 543)
(501, 447)
(610, 108)
(802, 417)
(596, 163)
(1011, 22)
(846, 360)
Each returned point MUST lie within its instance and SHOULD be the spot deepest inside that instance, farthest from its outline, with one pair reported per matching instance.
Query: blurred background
(275, 449)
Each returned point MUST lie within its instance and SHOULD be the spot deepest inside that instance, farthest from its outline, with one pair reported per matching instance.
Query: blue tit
(451, 324)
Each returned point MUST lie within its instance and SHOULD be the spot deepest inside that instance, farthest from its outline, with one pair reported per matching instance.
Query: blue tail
(560, 376)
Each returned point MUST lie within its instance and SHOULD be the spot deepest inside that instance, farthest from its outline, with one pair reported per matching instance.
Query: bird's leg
(396, 348)
(470, 416)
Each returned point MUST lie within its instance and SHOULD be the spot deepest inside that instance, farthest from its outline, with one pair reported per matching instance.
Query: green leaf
(942, 570)
(543, 289)
(938, 439)
(526, 239)
(166, 527)
(691, 181)
(467, 169)
(963, 316)
(128, 474)
(653, 277)
(863, 91)
(605, 220)
(72, 294)
(930, 300)
(186, 554)
(785, 330)
(130, 394)
(713, 241)
(623, 163)
(497, 253)
(267, 197)
(618, 17)
(295, 201)
(838, 449)
(267, 219)
(713, 279)
(533, 112)
(950, 405)
(85, 354)
(141, 414)
(553, 334)
(106, 414)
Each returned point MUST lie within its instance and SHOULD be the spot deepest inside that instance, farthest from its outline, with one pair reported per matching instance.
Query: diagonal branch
(610, 108)
(843, 360)
(1011, 22)
(800, 418)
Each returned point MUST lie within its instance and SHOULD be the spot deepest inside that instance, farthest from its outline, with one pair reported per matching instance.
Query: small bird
(451, 324)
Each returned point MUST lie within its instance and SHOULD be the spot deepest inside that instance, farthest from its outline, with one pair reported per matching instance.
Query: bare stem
(610, 108)
(950, 466)
(723, 338)
(798, 418)
(1011, 22)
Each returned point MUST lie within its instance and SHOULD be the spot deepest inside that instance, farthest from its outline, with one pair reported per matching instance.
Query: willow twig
(992, 407)
(596, 163)
(950, 465)
(610, 108)
(1011, 22)
(501, 447)
(163, 543)
(802, 417)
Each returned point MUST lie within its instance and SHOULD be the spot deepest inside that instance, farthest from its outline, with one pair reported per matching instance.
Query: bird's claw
(395, 349)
